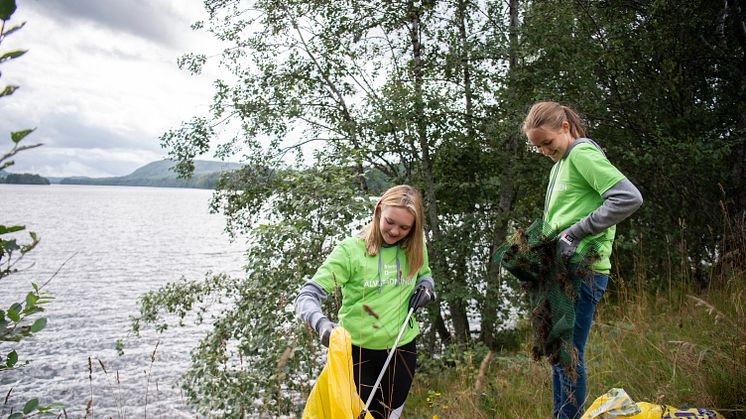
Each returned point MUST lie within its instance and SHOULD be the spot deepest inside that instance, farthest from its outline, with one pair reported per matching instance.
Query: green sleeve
(335, 271)
(595, 168)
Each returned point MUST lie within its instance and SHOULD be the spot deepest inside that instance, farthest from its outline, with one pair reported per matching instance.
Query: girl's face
(549, 142)
(396, 223)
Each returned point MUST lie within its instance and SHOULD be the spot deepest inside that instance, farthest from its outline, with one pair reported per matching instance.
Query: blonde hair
(403, 196)
(551, 115)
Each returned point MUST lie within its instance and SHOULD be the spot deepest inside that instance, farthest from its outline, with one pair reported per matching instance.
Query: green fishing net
(532, 256)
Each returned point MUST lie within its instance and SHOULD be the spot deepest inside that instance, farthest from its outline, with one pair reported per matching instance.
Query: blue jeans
(569, 394)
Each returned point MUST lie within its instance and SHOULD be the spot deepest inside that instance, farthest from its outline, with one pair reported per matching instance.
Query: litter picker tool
(385, 365)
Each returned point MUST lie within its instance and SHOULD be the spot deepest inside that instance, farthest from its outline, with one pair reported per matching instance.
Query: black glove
(324, 328)
(422, 295)
(567, 243)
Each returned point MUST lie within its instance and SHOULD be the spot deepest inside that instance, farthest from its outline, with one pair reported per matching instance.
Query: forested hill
(159, 173)
(22, 178)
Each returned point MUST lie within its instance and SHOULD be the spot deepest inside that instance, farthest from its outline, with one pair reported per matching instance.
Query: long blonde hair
(403, 196)
(551, 115)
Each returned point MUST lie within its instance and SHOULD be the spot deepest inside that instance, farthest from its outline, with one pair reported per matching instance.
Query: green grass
(679, 348)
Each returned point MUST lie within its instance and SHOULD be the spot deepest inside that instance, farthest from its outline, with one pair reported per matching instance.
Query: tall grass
(673, 345)
(676, 348)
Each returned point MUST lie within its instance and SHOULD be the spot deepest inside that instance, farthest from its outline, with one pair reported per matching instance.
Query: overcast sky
(100, 82)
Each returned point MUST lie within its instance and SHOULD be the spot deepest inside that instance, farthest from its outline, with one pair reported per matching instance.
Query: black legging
(395, 384)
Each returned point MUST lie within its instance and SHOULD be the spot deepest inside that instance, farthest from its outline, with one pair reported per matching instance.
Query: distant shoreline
(155, 174)
(62, 185)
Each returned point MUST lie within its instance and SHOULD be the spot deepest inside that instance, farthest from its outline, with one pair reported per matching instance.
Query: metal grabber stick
(385, 365)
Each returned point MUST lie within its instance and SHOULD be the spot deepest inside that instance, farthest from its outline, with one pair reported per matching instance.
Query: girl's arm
(308, 309)
(620, 201)
(335, 271)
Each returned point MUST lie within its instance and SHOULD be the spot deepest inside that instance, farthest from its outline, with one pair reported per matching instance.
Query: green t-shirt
(576, 185)
(351, 268)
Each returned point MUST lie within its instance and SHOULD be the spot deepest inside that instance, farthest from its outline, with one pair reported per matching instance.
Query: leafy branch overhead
(7, 7)
(20, 321)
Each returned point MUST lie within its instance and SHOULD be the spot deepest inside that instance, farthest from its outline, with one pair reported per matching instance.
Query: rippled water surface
(120, 242)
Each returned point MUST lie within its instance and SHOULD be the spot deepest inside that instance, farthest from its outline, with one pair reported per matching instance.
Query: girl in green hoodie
(382, 272)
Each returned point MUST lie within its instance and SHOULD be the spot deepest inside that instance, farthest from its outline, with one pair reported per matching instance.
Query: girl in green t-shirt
(382, 272)
(585, 199)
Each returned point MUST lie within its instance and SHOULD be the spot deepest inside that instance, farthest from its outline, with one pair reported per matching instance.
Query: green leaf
(18, 135)
(12, 359)
(13, 314)
(30, 300)
(10, 245)
(11, 55)
(39, 324)
(30, 406)
(7, 7)
(16, 415)
(9, 90)
(10, 229)
(33, 310)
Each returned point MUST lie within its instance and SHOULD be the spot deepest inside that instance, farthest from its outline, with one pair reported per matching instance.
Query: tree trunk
(505, 206)
(465, 65)
(738, 14)
(427, 170)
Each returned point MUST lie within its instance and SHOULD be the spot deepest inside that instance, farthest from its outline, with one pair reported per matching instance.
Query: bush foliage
(432, 94)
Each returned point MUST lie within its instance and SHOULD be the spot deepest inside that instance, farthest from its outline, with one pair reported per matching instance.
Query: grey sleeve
(308, 304)
(427, 282)
(620, 201)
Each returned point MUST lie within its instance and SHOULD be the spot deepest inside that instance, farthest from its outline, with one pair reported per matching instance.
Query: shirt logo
(388, 277)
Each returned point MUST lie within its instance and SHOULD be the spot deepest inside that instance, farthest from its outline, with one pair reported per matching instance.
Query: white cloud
(153, 20)
(100, 82)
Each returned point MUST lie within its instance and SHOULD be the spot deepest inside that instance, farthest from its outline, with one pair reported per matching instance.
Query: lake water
(122, 242)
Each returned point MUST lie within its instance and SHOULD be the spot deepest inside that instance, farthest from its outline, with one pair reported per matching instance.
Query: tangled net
(531, 256)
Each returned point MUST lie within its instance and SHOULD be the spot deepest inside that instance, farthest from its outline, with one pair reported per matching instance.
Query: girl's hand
(324, 328)
(567, 244)
(422, 295)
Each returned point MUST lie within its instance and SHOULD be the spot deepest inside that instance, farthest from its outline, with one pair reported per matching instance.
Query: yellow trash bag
(334, 395)
(614, 404)
(617, 404)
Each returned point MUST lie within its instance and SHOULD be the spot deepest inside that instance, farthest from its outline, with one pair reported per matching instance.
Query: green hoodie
(576, 185)
(375, 298)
